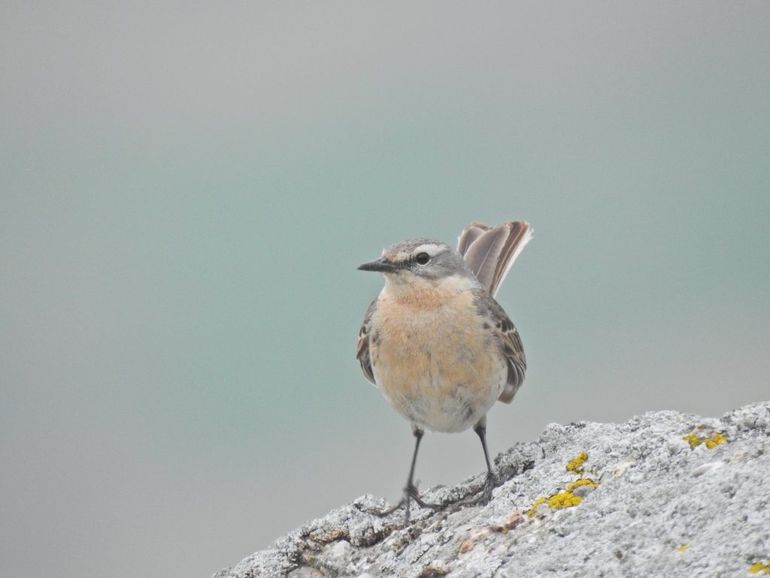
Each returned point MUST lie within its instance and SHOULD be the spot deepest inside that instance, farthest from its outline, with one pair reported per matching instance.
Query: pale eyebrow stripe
(430, 248)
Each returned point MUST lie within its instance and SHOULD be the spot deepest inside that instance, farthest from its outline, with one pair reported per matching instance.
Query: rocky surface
(664, 494)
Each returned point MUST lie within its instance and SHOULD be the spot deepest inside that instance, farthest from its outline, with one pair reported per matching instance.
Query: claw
(490, 483)
(410, 493)
(483, 495)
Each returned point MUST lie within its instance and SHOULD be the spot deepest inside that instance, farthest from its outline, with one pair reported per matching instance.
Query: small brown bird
(435, 341)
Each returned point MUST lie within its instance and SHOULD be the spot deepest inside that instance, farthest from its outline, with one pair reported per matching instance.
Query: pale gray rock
(674, 495)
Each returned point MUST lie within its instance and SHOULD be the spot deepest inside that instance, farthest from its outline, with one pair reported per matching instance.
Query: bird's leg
(489, 484)
(410, 490)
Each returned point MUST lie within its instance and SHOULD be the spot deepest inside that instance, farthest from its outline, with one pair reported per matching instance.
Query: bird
(435, 341)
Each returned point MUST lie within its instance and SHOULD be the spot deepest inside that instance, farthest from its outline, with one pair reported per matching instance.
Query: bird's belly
(441, 374)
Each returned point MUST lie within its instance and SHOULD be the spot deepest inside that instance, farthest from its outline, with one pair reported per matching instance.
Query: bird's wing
(508, 340)
(362, 344)
(491, 251)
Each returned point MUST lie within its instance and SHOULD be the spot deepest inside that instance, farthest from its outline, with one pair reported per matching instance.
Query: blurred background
(187, 189)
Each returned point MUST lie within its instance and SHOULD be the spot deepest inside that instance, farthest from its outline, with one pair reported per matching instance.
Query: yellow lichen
(711, 441)
(716, 439)
(533, 509)
(582, 482)
(760, 568)
(682, 548)
(575, 465)
(565, 498)
(693, 439)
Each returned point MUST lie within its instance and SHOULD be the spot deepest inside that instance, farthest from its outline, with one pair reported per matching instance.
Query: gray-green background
(186, 193)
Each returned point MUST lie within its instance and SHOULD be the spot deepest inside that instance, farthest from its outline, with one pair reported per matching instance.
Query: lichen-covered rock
(664, 494)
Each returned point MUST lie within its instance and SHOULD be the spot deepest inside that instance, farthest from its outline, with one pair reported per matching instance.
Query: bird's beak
(382, 265)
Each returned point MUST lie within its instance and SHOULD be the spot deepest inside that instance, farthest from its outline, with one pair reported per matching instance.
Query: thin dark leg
(489, 485)
(410, 490)
(418, 433)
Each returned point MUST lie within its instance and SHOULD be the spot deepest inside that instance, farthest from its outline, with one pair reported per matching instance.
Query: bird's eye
(422, 258)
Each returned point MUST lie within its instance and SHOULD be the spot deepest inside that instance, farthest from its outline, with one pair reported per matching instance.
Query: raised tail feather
(490, 251)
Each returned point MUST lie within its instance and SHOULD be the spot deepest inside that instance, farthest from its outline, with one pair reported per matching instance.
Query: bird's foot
(490, 483)
(410, 493)
(483, 495)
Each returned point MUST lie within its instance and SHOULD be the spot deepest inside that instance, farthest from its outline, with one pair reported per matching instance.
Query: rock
(664, 494)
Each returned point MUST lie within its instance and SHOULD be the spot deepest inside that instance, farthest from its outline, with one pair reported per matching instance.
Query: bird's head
(420, 263)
